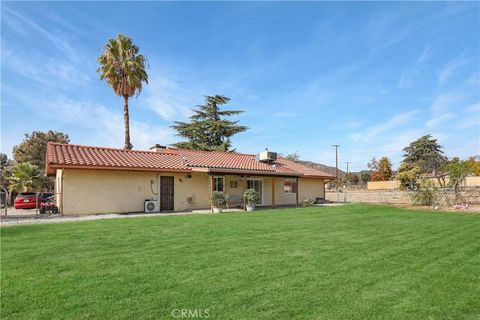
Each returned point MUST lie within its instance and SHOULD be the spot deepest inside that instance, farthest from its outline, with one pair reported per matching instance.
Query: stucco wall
(308, 188)
(311, 188)
(100, 191)
(191, 193)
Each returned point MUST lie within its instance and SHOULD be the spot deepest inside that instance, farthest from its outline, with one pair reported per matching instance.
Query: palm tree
(123, 68)
(24, 177)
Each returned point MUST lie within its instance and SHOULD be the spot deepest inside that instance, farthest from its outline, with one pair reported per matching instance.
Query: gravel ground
(16, 217)
(55, 218)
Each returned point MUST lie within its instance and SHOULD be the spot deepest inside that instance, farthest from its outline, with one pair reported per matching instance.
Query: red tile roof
(84, 157)
(170, 160)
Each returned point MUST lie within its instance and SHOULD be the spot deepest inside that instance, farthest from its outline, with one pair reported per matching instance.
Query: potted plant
(251, 198)
(218, 200)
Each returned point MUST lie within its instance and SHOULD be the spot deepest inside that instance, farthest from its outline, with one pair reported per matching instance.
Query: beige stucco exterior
(103, 191)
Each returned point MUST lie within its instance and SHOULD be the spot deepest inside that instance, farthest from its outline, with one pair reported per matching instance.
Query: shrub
(251, 196)
(426, 193)
(217, 198)
(308, 202)
(407, 175)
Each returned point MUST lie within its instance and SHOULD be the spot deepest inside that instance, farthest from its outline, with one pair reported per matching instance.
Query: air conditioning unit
(152, 206)
(267, 156)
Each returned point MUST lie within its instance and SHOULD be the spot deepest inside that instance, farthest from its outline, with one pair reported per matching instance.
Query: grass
(351, 262)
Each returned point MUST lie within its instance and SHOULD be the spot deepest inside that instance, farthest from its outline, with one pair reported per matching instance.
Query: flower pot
(250, 207)
(217, 209)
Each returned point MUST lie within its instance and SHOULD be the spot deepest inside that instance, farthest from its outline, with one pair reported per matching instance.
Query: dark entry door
(166, 193)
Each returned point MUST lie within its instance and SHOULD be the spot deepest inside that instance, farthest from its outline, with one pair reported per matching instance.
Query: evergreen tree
(209, 129)
(427, 154)
(33, 150)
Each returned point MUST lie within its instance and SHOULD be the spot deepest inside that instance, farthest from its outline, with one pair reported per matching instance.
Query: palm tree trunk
(126, 119)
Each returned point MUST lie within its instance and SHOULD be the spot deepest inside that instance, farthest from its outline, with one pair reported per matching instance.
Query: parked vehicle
(49, 205)
(28, 200)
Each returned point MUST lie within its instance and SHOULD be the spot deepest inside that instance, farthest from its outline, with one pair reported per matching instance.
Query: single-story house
(92, 180)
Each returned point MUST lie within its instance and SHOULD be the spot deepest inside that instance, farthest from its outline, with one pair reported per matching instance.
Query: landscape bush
(308, 202)
(425, 194)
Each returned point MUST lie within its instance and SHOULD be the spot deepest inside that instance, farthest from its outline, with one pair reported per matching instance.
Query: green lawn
(351, 262)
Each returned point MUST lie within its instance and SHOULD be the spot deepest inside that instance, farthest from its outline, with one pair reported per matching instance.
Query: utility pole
(336, 166)
(347, 162)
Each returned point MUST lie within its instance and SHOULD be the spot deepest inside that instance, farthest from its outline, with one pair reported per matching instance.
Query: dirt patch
(470, 209)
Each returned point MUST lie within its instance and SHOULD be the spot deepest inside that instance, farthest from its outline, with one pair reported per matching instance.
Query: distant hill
(319, 166)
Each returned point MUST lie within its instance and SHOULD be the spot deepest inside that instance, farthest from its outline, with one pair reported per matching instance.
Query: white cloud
(398, 142)
(168, 99)
(57, 41)
(468, 123)
(405, 80)
(110, 127)
(286, 114)
(445, 73)
(388, 125)
(473, 108)
(426, 53)
(407, 76)
(100, 125)
(445, 102)
(51, 72)
(438, 120)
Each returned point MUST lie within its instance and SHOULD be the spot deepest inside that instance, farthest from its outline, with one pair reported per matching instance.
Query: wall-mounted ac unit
(152, 206)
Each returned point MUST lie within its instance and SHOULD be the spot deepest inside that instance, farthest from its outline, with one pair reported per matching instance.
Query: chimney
(158, 148)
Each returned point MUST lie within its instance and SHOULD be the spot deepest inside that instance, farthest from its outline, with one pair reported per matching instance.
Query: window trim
(223, 184)
(293, 182)
(263, 189)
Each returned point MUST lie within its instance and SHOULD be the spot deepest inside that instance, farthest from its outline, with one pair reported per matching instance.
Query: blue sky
(369, 76)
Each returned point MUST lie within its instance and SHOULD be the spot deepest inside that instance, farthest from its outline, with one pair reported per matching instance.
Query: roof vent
(267, 156)
(158, 148)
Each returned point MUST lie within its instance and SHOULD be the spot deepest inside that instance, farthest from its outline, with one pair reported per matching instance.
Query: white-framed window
(219, 184)
(257, 185)
(290, 185)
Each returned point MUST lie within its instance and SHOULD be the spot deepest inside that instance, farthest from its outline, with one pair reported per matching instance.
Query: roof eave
(246, 172)
(52, 169)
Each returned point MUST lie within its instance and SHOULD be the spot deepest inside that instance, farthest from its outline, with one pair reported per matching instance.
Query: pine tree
(427, 154)
(209, 129)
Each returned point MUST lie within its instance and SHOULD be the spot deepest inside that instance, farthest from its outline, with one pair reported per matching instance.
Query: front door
(166, 193)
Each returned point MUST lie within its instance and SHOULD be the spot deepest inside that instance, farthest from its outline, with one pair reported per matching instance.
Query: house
(92, 180)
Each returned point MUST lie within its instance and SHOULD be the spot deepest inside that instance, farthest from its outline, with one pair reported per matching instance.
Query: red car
(28, 200)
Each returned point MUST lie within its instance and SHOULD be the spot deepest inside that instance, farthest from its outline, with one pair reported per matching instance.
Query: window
(257, 185)
(218, 184)
(290, 185)
(233, 184)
